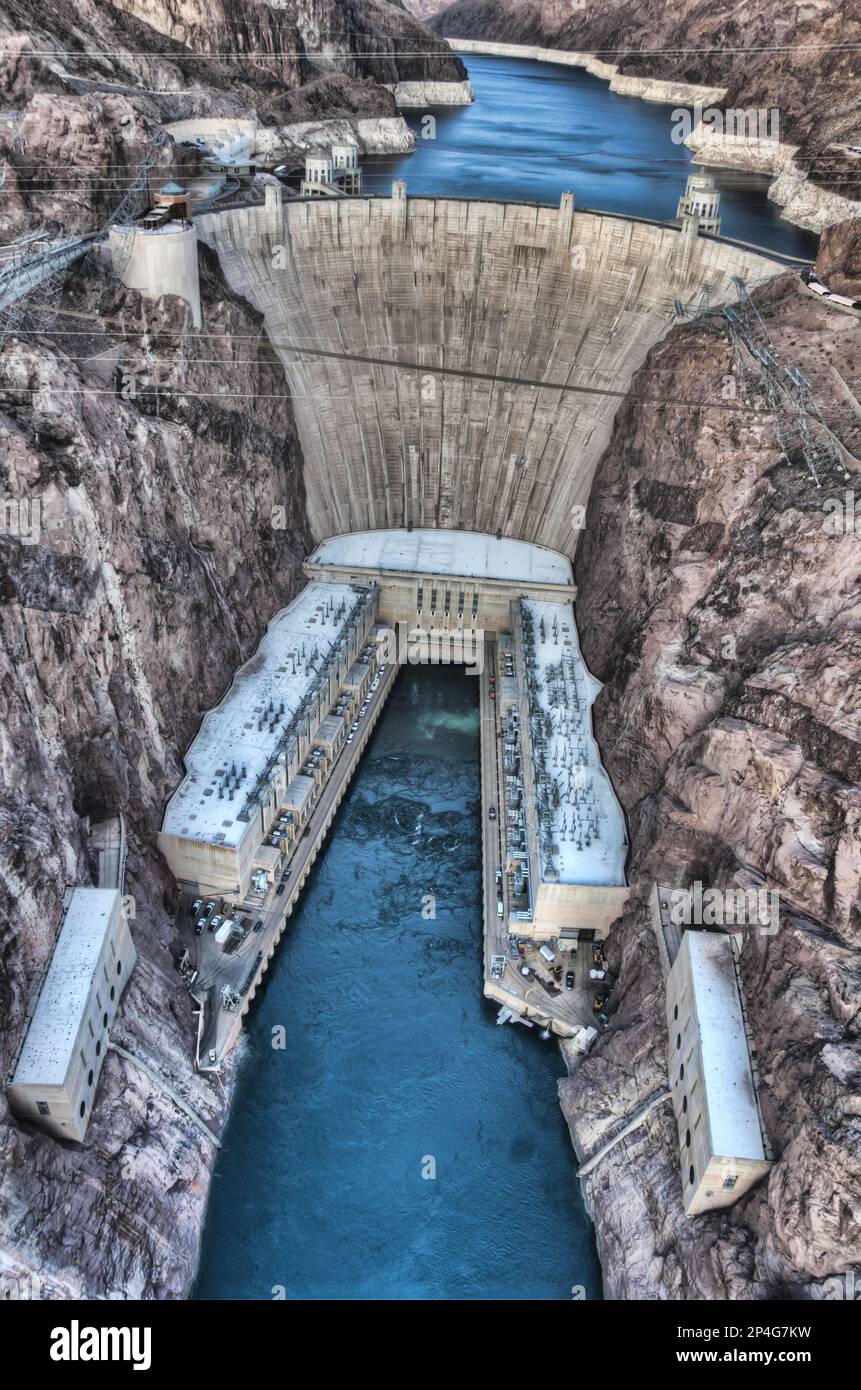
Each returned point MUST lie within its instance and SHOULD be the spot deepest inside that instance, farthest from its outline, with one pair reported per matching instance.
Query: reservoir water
(537, 129)
(394, 1066)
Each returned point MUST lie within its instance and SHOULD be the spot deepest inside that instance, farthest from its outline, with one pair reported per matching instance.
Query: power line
(421, 369)
(430, 52)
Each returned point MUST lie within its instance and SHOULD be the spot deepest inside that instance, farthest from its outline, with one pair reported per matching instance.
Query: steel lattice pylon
(799, 427)
(33, 272)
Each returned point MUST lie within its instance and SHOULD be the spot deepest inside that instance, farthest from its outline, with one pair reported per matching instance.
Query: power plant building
(442, 579)
(58, 1067)
(252, 753)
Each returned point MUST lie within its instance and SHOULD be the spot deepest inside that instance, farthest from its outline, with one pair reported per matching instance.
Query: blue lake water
(537, 129)
(394, 1060)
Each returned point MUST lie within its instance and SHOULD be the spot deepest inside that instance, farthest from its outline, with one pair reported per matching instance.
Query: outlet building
(723, 1147)
(57, 1073)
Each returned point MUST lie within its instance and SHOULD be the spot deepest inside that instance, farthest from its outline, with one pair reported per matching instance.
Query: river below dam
(537, 129)
(401, 1145)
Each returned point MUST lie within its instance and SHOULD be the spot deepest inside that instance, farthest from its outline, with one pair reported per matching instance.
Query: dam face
(489, 289)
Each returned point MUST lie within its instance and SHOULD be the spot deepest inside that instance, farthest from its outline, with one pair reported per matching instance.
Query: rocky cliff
(796, 59)
(157, 562)
(85, 86)
(719, 602)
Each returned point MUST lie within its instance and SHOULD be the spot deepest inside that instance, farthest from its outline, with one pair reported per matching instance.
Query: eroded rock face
(719, 600)
(839, 259)
(170, 530)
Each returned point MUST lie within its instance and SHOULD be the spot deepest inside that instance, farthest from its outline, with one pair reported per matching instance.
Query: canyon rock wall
(157, 563)
(719, 602)
(86, 86)
(483, 290)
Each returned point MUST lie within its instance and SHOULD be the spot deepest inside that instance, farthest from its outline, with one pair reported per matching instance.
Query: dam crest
(449, 358)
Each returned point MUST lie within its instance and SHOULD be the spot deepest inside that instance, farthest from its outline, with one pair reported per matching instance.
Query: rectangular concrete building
(58, 1068)
(570, 841)
(435, 578)
(252, 745)
(721, 1140)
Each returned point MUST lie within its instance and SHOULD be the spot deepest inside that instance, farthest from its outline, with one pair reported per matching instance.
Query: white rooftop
(467, 554)
(729, 1094)
(584, 840)
(280, 673)
(50, 1041)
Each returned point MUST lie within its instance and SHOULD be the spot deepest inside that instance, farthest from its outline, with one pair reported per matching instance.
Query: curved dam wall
(551, 296)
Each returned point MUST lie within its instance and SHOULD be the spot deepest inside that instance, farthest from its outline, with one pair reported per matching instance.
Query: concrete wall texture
(161, 262)
(509, 290)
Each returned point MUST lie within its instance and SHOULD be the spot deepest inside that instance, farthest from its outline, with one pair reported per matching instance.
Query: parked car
(569, 980)
(492, 813)
(354, 727)
(196, 906)
(209, 909)
(306, 832)
(279, 890)
(213, 1056)
(199, 925)
(286, 874)
(349, 738)
(215, 923)
(258, 925)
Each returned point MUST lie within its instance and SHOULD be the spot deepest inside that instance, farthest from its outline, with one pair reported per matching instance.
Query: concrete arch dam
(446, 286)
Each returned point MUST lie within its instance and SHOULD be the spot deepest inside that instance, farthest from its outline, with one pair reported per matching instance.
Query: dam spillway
(437, 287)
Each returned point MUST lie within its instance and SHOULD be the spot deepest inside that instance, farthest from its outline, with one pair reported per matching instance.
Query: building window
(676, 1011)
(43, 1107)
(682, 1072)
(113, 992)
(98, 1049)
(729, 1183)
(691, 1174)
(104, 1020)
(82, 1108)
(678, 1041)
(119, 967)
(688, 1140)
(90, 1077)
(685, 1106)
